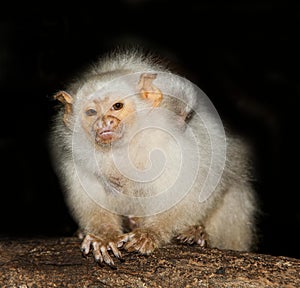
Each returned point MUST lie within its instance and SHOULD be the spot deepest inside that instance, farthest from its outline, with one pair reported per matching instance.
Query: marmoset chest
(145, 165)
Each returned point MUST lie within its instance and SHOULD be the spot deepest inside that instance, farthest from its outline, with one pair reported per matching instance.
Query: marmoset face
(105, 120)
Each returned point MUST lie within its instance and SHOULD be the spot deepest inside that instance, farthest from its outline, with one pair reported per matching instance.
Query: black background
(243, 55)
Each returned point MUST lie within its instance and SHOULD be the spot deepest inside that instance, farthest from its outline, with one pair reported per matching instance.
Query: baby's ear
(67, 100)
(148, 90)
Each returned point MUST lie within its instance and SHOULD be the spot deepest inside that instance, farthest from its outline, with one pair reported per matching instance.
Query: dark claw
(83, 251)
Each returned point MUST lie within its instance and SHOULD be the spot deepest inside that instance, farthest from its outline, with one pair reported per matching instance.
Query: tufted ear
(67, 100)
(148, 90)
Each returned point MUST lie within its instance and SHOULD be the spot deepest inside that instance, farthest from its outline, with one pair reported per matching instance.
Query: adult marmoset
(143, 158)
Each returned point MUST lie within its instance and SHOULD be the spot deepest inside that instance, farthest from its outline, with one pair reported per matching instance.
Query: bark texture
(58, 262)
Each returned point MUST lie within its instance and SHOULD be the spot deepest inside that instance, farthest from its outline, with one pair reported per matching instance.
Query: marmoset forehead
(119, 86)
(106, 97)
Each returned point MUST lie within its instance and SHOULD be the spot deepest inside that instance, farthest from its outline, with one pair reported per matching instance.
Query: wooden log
(58, 262)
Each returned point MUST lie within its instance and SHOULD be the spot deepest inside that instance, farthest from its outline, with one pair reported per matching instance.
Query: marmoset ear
(67, 100)
(148, 90)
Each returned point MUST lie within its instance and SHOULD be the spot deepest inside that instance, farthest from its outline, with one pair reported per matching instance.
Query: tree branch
(58, 262)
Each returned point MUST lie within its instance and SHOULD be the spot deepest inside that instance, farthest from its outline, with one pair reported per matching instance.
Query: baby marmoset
(135, 141)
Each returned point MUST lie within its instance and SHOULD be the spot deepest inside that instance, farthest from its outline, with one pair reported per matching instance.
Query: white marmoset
(143, 159)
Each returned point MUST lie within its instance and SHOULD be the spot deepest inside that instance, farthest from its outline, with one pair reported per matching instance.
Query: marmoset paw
(142, 240)
(101, 246)
(194, 234)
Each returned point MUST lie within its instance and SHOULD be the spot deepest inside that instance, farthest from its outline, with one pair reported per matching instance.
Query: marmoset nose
(110, 121)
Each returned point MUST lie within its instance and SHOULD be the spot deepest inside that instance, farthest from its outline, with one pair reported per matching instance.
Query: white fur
(227, 213)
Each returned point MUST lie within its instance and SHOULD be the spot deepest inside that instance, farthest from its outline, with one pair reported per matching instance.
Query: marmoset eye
(91, 112)
(117, 106)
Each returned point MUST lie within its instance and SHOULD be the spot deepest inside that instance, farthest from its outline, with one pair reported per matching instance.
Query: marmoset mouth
(107, 131)
(105, 136)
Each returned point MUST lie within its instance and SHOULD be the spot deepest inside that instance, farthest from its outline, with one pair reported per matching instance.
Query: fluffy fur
(226, 219)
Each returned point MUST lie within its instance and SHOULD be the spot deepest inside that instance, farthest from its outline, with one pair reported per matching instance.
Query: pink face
(104, 120)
